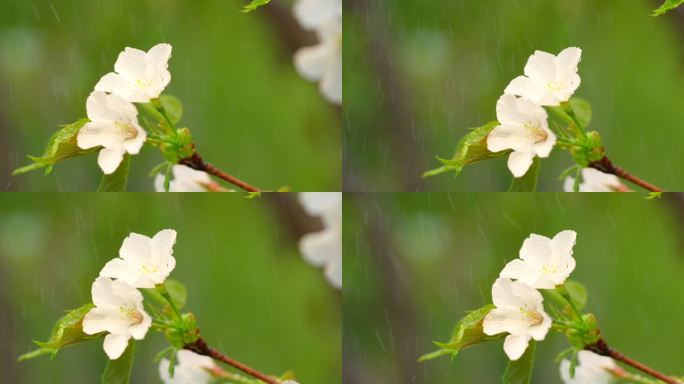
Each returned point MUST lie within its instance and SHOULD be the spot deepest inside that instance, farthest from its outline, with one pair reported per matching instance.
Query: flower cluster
(322, 62)
(595, 181)
(324, 248)
(523, 123)
(592, 369)
(142, 263)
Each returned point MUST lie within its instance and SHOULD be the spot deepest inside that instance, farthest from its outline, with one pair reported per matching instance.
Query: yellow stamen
(127, 130)
(131, 315)
(531, 316)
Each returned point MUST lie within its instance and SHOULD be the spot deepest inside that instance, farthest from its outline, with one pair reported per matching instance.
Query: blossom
(544, 263)
(594, 180)
(290, 382)
(523, 127)
(549, 80)
(519, 312)
(185, 179)
(192, 368)
(114, 126)
(592, 369)
(143, 262)
(138, 76)
(324, 248)
(313, 14)
(119, 311)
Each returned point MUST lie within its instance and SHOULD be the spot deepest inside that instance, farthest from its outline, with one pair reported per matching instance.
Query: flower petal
(98, 133)
(312, 62)
(115, 345)
(101, 319)
(518, 269)
(541, 67)
(109, 159)
(131, 64)
(135, 249)
(102, 293)
(507, 136)
(536, 249)
(563, 242)
(519, 163)
(515, 345)
(500, 320)
(116, 269)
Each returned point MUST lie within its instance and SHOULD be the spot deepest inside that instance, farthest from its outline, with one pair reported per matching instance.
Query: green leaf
(173, 107)
(61, 146)
(528, 181)
(67, 331)
(117, 181)
(468, 331)
(582, 111)
(653, 195)
(177, 291)
(119, 371)
(577, 292)
(254, 5)
(470, 149)
(668, 5)
(520, 371)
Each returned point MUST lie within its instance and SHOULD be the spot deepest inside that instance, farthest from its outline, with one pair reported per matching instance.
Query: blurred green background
(417, 74)
(254, 296)
(414, 263)
(250, 113)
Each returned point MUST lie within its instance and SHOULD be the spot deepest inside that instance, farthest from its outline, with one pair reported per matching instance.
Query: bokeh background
(250, 113)
(414, 263)
(417, 74)
(254, 296)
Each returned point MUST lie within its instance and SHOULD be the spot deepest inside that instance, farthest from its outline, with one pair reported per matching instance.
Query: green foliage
(68, 330)
(472, 148)
(468, 331)
(61, 146)
(117, 181)
(581, 111)
(668, 5)
(178, 147)
(254, 5)
(528, 181)
(175, 289)
(572, 289)
(520, 371)
(119, 371)
(173, 107)
(653, 195)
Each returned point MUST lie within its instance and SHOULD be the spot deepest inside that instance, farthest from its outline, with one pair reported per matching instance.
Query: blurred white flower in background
(139, 76)
(322, 62)
(186, 179)
(290, 382)
(519, 312)
(114, 126)
(591, 369)
(143, 262)
(523, 127)
(324, 248)
(549, 80)
(544, 263)
(192, 368)
(594, 180)
(119, 311)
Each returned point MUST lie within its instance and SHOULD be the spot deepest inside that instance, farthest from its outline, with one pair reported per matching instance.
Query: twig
(607, 166)
(602, 348)
(196, 162)
(200, 346)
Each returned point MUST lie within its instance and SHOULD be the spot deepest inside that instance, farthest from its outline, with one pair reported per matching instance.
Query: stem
(605, 165)
(602, 348)
(196, 162)
(200, 346)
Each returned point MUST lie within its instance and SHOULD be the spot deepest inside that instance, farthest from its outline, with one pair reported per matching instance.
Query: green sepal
(119, 371)
(470, 149)
(467, 332)
(61, 146)
(520, 371)
(528, 181)
(67, 331)
(179, 147)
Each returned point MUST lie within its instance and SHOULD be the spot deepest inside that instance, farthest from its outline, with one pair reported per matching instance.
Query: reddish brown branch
(602, 348)
(200, 346)
(196, 162)
(607, 166)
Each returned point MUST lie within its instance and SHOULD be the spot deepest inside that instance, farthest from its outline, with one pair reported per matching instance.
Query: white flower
(592, 369)
(290, 382)
(143, 262)
(594, 180)
(139, 76)
(519, 312)
(114, 126)
(119, 311)
(524, 129)
(185, 179)
(549, 80)
(322, 62)
(324, 248)
(544, 263)
(192, 368)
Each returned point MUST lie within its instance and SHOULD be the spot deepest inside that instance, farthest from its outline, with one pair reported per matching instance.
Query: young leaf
(582, 111)
(117, 181)
(528, 181)
(668, 5)
(177, 291)
(254, 5)
(577, 292)
(471, 148)
(468, 331)
(173, 107)
(61, 146)
(520, 371)
(68, 330)
(119, 371)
